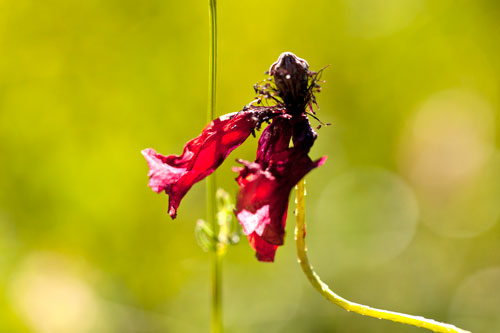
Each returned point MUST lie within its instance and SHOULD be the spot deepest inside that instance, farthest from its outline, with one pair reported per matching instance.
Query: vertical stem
(215, 255)
(216, 259)
(212, 57)
(323, 289)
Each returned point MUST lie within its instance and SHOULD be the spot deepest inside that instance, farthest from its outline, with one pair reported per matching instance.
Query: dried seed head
(291, 75)
(288, 61)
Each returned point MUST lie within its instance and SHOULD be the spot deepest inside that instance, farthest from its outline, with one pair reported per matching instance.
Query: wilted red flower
(265, 184)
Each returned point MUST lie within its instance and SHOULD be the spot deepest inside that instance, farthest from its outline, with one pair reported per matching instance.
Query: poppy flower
(282, 154)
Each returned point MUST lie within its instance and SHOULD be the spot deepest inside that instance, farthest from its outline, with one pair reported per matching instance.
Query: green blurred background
(403, 216)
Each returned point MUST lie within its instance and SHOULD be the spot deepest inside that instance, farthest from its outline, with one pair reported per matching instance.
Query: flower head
(266, 183)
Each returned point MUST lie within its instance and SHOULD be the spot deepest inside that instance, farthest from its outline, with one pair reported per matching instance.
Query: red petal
(264, 250)
(265, 187)
(175, 174)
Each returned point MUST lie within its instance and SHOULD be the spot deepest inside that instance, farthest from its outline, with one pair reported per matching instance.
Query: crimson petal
(266, 184)
(175, 174)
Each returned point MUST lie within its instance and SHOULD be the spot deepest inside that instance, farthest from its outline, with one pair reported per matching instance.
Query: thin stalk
(212, 58)
(323, 289)
(215, 255)
(216, 263)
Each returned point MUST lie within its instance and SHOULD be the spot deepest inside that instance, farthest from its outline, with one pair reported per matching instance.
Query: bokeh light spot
(366, 217)
(447, 152)
(51, 297)
(476, 304)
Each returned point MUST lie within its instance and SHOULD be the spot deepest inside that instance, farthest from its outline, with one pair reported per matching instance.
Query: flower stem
(212, 57)
(323, 289)
(216, 263)
(215, 255)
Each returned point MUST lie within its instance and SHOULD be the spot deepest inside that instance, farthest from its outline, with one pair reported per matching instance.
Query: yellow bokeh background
(404, 215)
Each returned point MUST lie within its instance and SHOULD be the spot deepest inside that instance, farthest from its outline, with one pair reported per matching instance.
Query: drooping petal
(265, 187)
(175, 174)
(264, 251)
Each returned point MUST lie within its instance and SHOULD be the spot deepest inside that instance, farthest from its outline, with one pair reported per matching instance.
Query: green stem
(215, 255)
(212, 58)
(216, 259)
(323, 289)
